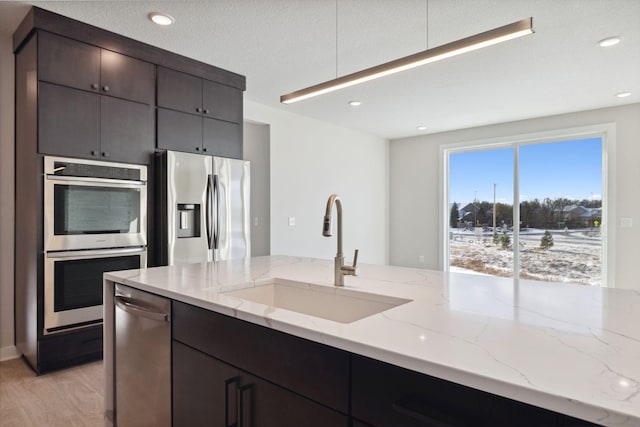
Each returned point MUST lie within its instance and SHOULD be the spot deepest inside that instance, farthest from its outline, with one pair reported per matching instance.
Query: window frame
(605, 131)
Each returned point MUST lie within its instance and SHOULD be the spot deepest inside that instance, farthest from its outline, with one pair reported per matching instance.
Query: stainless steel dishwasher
(143, 358)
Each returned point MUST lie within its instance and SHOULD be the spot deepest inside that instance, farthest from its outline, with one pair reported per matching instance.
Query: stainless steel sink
(327, 302)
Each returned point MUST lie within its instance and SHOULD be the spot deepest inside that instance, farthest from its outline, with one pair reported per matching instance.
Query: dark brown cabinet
(221, 138)
(198, 116)
(82, 66)
(224, 366)
(81, 91)
(209, 392)
(386, 395)
(81, 124)
(69, 121)
(93, 103)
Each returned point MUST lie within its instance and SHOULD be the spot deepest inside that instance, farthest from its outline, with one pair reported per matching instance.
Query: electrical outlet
(626, 222)
(292, 221)
(255, 221)
(421, 259)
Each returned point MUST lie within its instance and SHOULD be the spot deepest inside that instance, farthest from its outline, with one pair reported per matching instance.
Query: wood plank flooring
(71, 397)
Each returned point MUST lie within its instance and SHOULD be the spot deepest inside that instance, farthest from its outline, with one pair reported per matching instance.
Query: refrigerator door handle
(216, 232)
(208, 210)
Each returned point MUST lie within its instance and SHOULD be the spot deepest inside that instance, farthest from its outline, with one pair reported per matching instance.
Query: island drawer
(314, 370)
(386, 395)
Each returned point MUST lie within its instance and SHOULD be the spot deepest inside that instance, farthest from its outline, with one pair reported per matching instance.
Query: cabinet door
(262, 404)
(68, 62)
(179, 91)
(208, 392)
(204, 389)
(179, 131)
(68, 121)
(126, 131)
(222, 139)
(222, 102)
(125, 77)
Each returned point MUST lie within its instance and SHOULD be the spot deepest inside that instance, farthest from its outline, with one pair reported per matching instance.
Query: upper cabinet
(94, 103)
(198, 115)
(78, 65)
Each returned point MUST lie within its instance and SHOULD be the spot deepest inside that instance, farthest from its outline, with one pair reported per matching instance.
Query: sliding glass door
(552, 234)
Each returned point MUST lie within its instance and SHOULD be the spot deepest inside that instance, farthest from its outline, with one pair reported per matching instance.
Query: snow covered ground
(575, 256)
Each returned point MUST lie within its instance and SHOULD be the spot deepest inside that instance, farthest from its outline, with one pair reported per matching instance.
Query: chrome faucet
(341, 270)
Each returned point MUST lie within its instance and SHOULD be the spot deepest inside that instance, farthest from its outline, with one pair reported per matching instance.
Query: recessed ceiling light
(609, 41)
(421, 128)
(623, 94)
(355, 103)
(161, 18)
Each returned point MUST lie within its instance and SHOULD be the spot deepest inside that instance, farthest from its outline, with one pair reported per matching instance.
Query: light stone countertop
(568, 348)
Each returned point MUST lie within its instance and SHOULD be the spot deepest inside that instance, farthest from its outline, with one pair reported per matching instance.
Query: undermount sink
(327, 302)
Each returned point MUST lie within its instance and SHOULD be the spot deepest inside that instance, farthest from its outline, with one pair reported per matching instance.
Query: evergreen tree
(505, 240)
(547, 240)
(453, 217)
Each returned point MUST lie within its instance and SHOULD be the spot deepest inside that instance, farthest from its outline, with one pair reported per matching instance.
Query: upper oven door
(85, 212)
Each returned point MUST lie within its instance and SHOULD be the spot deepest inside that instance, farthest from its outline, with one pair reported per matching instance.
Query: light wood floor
(71, 397)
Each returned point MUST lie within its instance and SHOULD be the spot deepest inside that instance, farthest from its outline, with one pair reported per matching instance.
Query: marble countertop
(568, 348)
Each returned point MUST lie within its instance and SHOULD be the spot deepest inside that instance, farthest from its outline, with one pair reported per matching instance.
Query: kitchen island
(569, 349)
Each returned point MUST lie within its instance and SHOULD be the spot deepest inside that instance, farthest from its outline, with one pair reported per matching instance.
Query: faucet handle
(352, 270)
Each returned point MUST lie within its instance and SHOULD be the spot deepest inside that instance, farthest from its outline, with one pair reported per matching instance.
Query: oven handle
(96, 253)
(95, 180)
(133, 306)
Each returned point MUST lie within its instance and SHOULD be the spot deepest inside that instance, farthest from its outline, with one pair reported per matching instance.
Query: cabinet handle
(206, 111)
(105, 88)
(197, 148)
(105, 154)
(204, 149)
(94, 86)
(242, 405)
(198, 109)
(234, 408)
(94, 153)
(436, 418)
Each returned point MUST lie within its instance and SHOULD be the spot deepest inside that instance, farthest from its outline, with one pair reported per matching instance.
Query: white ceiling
(285, 45)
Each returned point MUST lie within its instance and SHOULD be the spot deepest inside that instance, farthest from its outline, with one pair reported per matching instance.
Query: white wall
(256, 149)
(310, 160)
(415, 174)
(6, 197)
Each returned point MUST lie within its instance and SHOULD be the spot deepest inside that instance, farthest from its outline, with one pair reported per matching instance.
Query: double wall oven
(95, 220)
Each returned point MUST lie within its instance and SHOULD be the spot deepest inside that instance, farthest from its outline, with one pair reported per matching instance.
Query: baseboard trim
(8, 353)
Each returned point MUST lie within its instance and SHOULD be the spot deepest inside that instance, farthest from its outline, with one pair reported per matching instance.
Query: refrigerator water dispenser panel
(188, 220)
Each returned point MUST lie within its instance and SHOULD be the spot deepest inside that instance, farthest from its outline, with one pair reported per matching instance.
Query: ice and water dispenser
(188, 220)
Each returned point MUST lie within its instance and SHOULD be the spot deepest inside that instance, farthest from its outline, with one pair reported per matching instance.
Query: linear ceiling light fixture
(468, 44)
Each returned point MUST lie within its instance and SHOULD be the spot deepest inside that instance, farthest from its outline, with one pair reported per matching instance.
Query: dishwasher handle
(137, 308)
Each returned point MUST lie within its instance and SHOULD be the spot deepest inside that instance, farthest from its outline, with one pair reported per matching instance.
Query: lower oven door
(73, 284)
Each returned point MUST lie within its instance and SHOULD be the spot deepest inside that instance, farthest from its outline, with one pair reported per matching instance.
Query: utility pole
(494, 207)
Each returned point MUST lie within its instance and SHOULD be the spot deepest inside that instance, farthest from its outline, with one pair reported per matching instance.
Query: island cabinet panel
(82, 66)
(310, 369)
(386, 395)
(209, 392)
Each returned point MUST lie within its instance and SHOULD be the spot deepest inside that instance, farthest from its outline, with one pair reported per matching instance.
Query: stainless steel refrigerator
(204, 208)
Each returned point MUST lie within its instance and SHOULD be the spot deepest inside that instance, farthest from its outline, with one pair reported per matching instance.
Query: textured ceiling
(285, 45)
